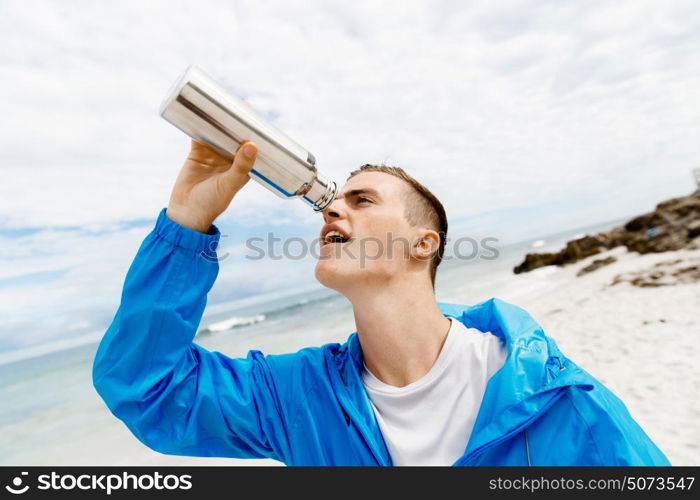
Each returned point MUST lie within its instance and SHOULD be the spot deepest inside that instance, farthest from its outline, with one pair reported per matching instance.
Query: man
(418, 383)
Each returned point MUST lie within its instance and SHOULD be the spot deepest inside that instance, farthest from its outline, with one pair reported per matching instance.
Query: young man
(418, 383)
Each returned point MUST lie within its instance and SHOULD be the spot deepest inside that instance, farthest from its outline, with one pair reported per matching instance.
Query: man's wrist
(187, 220)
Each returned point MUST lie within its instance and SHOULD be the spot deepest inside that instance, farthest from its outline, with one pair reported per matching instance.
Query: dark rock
(690, 274)
(671, 226)
(596, 264)
(643, 283)
(668, 263)
(644, 222)
(694, 229)
(575, 250)
(666, 273)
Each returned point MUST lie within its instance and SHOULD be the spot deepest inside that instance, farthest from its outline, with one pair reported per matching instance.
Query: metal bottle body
(208, 113)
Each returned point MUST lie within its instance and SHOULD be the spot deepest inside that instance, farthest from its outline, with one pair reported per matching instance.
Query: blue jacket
(310, 407)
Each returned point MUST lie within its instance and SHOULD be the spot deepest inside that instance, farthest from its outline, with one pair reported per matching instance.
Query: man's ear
(425, 244)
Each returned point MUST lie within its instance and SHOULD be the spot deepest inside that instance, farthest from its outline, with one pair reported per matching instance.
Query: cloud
(591, 107)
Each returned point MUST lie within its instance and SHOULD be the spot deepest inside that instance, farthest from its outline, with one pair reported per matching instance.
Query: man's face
(374, 240)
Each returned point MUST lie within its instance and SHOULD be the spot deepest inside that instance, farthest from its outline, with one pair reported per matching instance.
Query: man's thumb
(242, 164)
(245, 157)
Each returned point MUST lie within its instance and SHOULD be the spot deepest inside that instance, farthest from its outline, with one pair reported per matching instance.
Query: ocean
(50, 406)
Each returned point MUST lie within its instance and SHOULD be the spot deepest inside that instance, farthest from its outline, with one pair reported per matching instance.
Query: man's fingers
(207, 156)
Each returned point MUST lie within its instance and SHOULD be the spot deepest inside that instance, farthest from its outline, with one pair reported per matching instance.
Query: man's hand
(207, 183)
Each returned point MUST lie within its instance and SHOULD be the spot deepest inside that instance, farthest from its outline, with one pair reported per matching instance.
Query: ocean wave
(293, 306)
(238, 321)
(234, 322)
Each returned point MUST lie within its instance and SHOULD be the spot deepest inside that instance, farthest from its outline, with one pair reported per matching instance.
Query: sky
(524, 117)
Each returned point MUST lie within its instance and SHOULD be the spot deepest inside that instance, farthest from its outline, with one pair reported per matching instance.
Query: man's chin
(330, 275)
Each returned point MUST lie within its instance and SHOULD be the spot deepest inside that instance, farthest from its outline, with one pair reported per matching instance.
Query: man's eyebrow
(357, 192)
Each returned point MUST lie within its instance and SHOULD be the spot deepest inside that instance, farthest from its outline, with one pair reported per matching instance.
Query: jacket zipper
(345, 414)
(364, 432)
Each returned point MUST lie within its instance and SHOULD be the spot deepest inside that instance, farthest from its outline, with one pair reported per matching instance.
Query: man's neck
(401, 330)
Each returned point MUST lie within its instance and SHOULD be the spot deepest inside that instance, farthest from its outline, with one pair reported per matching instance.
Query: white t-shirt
(429, 421)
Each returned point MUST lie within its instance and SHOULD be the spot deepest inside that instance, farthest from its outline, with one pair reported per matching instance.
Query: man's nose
(334, 210)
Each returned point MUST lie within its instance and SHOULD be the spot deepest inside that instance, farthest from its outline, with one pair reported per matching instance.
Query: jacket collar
(534, 375)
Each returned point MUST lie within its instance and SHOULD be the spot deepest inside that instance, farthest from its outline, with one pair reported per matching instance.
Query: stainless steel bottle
(207, 112)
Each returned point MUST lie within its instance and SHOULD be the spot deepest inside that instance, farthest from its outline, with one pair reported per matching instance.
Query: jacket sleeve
(175, 396)
(615, 437)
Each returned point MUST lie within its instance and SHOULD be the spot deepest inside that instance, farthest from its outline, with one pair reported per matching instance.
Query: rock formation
(671, 226)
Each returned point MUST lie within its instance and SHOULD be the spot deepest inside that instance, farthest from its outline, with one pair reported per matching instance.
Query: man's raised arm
(175, 396)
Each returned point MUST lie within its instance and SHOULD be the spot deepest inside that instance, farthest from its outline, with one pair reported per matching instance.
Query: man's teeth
(333, 236)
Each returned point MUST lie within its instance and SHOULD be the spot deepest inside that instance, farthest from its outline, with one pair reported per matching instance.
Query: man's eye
(363, 199)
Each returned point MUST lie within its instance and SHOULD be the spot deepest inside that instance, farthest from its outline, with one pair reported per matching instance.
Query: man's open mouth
(334, 237)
